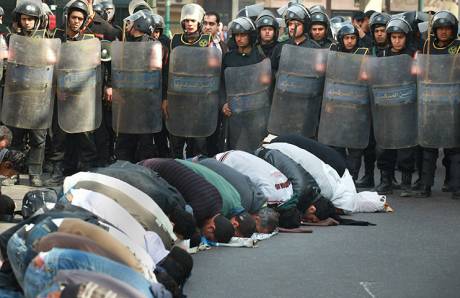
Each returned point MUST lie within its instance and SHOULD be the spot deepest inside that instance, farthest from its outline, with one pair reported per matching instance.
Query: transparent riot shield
(248, 96)
(438, 95)
(394, 107)
(28, 96)
(79, 86)
(194, 81)
(299, 87)
(345, 113)
(136, 83)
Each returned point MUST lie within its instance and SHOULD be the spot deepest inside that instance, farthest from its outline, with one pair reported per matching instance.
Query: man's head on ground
(218, 229)
(320, 210)
(7, 207)
(290, 218)
(184, 223)
(244, 225)
(37, 199)
(267, 220)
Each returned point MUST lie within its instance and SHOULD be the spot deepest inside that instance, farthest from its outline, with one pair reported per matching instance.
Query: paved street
(414, 252)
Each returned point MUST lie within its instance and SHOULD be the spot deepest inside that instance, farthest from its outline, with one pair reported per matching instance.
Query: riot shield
(393, 99)
(137, 88)
(27, 99)
(194, 81)
(298, 92)
(345, 113)
(438, 95)
(79, 86)
(248, 96)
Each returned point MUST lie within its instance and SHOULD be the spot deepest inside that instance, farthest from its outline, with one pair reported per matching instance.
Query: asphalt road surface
(413, 252)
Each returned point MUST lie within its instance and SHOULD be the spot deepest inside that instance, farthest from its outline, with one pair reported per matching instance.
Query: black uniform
(195, 146)
(276, 55)
(452, 155)
(268, 48)
(136, 147)
(36, 137)
(80, 148)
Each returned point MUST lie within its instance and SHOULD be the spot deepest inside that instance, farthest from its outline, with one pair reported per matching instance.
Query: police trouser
(452, 156)
(37, 140)
(195, 146)
(57, 138)
(81, 152)
(161, 142)
(104, 136)
(387, 159)
(135, 147)
(354, 158)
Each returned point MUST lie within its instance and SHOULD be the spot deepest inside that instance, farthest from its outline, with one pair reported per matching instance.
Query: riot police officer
(268, 30)
(246, 127)
(27, 15)
(320, 31)
(297, 19)
(377, 24)
(399, 35)
(443, 42)
(191, 21)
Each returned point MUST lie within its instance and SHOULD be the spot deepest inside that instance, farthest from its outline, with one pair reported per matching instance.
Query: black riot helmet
(78, 5)
(398, 25)
(158, 23)
(445, 18)
(347, 29)
(28, 8)
(109, 9)
(243, 25)
(99, 9)
(378, 20)
(320, 18)
(298, 12)
(267, 19)
(317, 8)
(142, 22)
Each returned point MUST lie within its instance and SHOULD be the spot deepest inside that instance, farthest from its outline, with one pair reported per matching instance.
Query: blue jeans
(19, 249)
(38, 279)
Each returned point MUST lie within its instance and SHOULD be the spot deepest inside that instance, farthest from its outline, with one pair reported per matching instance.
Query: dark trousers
(105, 137)
(135, 147)
(81, 152)
(195, 146)
(161, 142)
(56, 141)
(36, 140)
(387, 159)
(452, 159)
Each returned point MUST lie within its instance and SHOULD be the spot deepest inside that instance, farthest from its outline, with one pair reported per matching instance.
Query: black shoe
(423, 192)
(445, 187)
(456, 195)
(406, 185)
(367, 181)
(386, 184)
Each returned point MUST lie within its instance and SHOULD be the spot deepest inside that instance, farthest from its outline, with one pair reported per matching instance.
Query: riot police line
(329, 92)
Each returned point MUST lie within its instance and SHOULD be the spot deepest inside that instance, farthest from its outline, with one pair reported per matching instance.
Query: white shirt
(274, 184)
(341, 191)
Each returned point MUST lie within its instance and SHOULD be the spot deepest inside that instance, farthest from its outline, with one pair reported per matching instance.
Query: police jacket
(234, 58)
(452, 48)
(276, 55)
(306, 190)
(252, 198)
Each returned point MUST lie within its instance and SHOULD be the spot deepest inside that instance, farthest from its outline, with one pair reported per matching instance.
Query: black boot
(57, 178)
(386, 183)
(406, 184)
(367, 181)
(423, 192)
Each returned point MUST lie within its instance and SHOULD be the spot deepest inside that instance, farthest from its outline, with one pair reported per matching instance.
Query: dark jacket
(149, 182)
(323, 152)
(252, 198)
(306, 190)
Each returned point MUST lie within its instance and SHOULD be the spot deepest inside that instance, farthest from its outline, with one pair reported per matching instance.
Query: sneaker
(10, 181)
